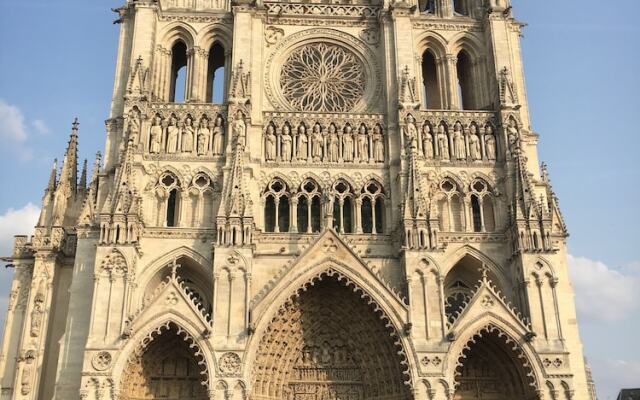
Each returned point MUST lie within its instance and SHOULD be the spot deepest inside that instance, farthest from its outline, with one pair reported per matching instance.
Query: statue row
(475, 144)
(329, 144)
(203, 138)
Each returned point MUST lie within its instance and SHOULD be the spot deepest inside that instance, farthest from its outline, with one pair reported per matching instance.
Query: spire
(69, 173)
(51, 186)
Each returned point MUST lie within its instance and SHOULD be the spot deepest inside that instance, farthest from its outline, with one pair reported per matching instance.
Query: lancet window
(216, 74)
(431, 82)
(179, 61)
(343, 207)
(482, 207)
(464, 68)
(372, 208)
(168, 194)
(277, 207)
(201, 201)
(450, 209)
(461, 7)
(308, 207)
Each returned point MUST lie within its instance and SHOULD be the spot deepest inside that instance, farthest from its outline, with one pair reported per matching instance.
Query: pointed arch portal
(492, 367)
(328, 344)
(167, 368)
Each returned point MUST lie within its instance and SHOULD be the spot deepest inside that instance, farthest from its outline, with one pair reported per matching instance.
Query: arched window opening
(216, 74)
(270, 214)
(372, 208)
(309, 207)
(456, 213)
(277, 210)
(303, 215)
(488, 214)
(177, 90)
(315, 214)
(283, 214)
(482, 207)
(465, 81)
(428, 6)
(460, 7)
(430, 86)
(172, 209)
(347, 213)
(343, 207)
(450, 209)
(379, 219)
(477, 216)
(367, 215)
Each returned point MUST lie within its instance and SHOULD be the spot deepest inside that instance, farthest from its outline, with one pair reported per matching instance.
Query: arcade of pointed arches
(309, 209)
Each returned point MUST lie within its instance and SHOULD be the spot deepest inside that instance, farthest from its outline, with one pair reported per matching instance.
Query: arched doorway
(493, 369)
(166, 368)
(328, 344)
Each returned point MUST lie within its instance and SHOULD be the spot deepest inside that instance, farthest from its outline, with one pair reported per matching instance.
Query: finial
(75, 125)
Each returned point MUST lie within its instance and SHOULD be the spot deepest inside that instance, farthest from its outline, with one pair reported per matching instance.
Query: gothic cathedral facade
(302, 200)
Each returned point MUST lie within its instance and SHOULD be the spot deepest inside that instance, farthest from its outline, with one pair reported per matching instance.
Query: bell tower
(302, 200)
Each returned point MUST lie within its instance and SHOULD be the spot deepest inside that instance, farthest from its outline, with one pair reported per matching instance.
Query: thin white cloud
(14, 131)
(603, 294)
(41, 127)
(16, 222)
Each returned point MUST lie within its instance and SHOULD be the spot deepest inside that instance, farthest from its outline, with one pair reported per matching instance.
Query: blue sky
(581, 58)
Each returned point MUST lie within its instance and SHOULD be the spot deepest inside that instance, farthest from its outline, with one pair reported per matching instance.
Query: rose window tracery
(323, 77)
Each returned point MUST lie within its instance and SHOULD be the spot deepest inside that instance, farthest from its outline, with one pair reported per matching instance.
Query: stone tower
(312, 200)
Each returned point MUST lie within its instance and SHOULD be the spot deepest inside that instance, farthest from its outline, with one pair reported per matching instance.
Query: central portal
(328, 344)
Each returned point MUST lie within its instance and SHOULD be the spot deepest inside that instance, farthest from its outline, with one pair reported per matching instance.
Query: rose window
(323, 77)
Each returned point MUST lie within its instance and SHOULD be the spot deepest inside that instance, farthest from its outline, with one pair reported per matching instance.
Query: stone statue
(490, 143)
(303, 142)
(155, 136)
(363, 144)
(333, 148)
(240, 130)
(427, 141)
(287, 143)
(378, 144)
(270, 143)
(475, 151)
(443, 143)
(459, 150)
(316, 143)
(134, 126)
(347, 144)
(512, 133)
(188, 133)
(172, 135)
(204, 135)
(411, 133)
(218, 137)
